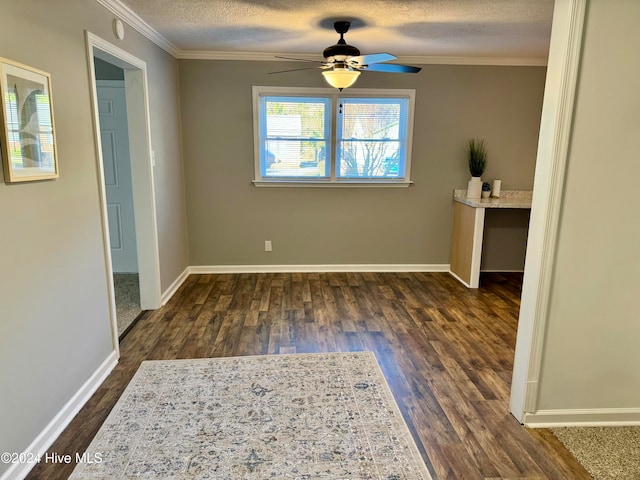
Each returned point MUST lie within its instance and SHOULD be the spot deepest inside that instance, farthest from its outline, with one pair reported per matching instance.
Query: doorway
(116, 162)
(129, 221)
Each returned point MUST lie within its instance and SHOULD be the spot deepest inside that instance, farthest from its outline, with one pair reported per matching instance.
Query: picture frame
(27, 139)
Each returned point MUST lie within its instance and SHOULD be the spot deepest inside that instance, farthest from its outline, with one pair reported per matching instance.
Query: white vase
(474, 187)
(486, 194)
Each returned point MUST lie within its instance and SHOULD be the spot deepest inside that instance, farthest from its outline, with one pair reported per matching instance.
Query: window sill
(331, 184)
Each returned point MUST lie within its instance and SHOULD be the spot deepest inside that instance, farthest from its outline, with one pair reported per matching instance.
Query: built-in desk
(468, 230)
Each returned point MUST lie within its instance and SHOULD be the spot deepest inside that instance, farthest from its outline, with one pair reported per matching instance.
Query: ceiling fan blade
(372, 58)
(300, 59)
(391, 67)
(296, 69)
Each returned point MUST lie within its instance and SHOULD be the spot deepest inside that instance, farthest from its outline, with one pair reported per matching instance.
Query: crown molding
(137, 23)
(413, 59)
(460, 60)
(245, 56)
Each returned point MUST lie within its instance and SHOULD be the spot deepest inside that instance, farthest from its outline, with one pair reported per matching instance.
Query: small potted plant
(486, 189)
(477, 156)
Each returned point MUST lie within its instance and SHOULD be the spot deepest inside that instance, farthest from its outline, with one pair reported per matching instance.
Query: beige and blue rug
(302, 416)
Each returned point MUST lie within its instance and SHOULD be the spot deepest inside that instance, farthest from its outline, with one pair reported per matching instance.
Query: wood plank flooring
(446, 351)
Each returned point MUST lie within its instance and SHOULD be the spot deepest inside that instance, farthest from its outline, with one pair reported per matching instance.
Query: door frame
(144, 204)
(553, 146)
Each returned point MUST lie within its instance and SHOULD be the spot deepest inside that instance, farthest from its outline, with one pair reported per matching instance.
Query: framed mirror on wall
(27, 139)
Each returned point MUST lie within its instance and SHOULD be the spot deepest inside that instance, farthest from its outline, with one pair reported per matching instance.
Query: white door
(112, 107)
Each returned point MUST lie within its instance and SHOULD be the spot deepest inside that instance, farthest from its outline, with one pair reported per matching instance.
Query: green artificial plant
(477, 157)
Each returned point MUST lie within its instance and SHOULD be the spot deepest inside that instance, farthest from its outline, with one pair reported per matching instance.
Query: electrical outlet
(267, 246)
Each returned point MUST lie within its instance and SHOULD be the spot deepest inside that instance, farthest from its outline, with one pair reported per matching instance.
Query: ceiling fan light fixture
(341, 77)
(344, 62)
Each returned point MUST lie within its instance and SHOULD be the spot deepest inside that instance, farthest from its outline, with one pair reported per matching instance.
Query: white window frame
(332, 180)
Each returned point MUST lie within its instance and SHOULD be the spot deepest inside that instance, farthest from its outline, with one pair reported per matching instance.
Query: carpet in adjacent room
(607, 453)
(127, 293)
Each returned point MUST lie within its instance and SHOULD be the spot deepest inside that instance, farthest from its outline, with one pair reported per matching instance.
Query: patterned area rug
(302, 416)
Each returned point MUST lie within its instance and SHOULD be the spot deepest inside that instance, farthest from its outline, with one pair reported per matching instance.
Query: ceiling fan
(343, 62)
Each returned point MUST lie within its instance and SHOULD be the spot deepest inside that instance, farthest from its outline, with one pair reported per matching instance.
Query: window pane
(296, 136)
(369, 159)
(372, 138)
(364, 119)
(295, 158)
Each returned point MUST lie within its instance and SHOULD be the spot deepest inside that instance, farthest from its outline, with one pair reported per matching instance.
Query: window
(320, 136)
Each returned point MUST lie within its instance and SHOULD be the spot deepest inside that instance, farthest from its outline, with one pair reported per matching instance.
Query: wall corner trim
(56, 426)
(553, 145)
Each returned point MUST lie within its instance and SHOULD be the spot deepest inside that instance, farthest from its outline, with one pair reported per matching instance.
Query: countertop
(507, 199)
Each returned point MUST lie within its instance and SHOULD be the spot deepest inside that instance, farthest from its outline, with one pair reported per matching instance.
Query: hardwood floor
(446, 351)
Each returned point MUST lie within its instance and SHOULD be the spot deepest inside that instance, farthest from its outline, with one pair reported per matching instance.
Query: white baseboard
(597, 417)
(213, 269)
(173, 288)
(221, 269)
(45, 439)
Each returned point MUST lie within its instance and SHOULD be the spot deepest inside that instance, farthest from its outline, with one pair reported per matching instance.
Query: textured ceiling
(425, 28)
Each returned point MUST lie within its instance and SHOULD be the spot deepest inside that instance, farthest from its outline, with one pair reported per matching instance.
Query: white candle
(495, 191)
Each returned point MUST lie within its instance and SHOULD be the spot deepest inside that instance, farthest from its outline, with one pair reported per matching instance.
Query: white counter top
(507, 199)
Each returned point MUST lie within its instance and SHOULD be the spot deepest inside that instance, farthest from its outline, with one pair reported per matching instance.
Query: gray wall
(54, 314)
(229, 218)
(591, 355)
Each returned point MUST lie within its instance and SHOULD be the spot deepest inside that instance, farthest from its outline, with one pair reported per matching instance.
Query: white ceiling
(508, 31)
